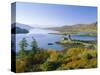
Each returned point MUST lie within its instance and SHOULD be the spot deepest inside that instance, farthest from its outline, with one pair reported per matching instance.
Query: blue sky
(52, 15)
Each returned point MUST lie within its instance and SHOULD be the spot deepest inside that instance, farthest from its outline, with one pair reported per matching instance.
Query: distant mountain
(17, 30)
(77, 28)
(22, 26)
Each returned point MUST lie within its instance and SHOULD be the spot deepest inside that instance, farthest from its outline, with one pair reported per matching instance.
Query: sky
(53, 15)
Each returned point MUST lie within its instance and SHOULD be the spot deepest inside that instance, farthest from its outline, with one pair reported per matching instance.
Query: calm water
(43, 38)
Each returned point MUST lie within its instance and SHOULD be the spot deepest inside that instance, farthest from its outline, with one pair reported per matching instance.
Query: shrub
(89, 54)
(20, 65)
(51, 65)
(40, 57)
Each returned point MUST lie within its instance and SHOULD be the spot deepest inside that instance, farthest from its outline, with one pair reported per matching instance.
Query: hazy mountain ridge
(77, 27)
(20, 28)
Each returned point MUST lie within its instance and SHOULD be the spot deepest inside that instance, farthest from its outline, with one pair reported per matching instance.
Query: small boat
(50, 43)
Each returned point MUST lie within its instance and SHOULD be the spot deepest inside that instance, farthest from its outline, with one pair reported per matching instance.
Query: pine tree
(34, 45)
(23, 44)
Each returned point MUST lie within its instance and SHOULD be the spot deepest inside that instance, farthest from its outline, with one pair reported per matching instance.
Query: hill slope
(77, 28)
(20, 28)
(17, 30)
